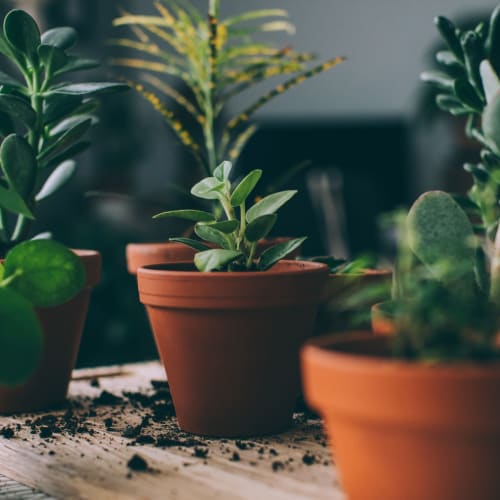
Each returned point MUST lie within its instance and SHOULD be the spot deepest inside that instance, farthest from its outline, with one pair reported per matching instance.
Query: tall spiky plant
(215, 60)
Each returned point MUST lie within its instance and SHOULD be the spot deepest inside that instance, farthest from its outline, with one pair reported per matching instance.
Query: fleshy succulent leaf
(245, 187)
(192, 215)
(270, 204)
(272, 255)
(211, 260)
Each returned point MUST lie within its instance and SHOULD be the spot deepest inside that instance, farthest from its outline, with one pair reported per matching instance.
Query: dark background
(367, 125)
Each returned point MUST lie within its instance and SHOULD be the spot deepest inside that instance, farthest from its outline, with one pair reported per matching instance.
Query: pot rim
(295, 267)
(321, 351)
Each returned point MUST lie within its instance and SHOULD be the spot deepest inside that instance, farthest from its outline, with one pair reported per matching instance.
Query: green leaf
(197, 245)
(447, 58)
(60, 106)
(17, 108)
(60, 176)
(11, 201)
(451, 105)
(63, 37)
(221, 173)
(207, 233)
(208, 188)
(88, 89)
(466, 93)
(260, 227)
(19, 165)
(225, 226)
(441, 80)
(272, 255)
(53, 58)
(193, 215)
(491, 83)
(66, 139)
(69, 123)
(245, 187)
(22, 33)
(77, 64)
(21, 340)
(47, 273)
(491, 123)
(270, 204)
(210, 260)
(493, 41)
(449, 33)
(71, 152)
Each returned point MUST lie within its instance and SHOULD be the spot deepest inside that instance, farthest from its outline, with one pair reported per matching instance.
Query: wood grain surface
(91, 461)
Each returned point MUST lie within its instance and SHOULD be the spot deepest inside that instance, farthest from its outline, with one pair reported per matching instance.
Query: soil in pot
(229, 342)
(403, 429)
(62, 328)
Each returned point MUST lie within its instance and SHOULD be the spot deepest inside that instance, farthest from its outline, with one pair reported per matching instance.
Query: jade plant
(468, 85)
(44, 118)
(195, 64)
(445, 299)
(238, 232)
(37, 273)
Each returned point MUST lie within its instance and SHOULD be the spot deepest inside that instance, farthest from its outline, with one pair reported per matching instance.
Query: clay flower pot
(62, 328)
(145, 254)
(229, 342)
(333, 316)
(405, 430)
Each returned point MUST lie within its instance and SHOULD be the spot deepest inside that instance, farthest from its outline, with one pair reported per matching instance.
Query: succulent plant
(43, 118)
(214, 60)
(468, 86)
(39, 273)
(239, 231)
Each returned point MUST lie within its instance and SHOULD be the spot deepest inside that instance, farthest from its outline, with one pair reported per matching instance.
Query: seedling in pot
(43, 118)
(238, 233)
(37, 273)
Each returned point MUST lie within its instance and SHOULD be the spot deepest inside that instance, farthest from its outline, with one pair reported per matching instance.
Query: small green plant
(43, 118)
(354, 267)
(214, 60)
(37, 273)
(239, 232)
(468, 85)
(445, 304)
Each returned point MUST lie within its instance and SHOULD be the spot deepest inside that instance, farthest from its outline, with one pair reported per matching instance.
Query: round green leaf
(63, 37)
(245, 187)
(221, 173)
(197, 245)
(47, 273)
(17, 108)
(22, 32)
(259, 228)
(193, 215)
(21, 340)
(491, 123)
(226, 226)
(18, 162)
(208, 188)
(57, 179)
(269, 205)
(211, 260)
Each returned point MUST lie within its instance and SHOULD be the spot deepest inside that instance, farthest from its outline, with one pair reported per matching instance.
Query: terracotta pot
(382, 320)
(62, 328)
(145, 254)
(333, 314)
(230, 341)
(405, 430)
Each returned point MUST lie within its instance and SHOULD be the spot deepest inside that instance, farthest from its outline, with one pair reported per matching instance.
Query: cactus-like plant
(43, 118)
(214, 60)
(467, 85)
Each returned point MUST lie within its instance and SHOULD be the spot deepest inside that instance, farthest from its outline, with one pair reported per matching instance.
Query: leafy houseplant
(35, 273)
(52, 113)
(43, 121)
(230, 340)
(215, 60)
(240, 231)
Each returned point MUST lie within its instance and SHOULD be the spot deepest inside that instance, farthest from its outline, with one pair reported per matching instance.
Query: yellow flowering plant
(215, 60)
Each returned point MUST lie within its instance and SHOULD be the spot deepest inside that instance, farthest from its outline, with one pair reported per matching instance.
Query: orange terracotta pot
(333, 315)
(229, 342)
(146, 254)
(62, 328)
(405, 430)
(382, 321)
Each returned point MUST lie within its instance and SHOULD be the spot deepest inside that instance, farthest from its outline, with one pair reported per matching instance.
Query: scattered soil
(147, 418)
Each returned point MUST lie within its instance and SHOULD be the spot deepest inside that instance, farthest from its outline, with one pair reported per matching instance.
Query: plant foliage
(43, 118)
(231, 242)
(214, 60)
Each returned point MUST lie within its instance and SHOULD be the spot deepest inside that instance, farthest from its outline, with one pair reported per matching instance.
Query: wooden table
(84, 451)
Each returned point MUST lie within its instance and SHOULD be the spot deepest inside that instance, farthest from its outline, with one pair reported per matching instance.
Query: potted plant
(431, 416)
(213, 60)
(228, 328)
(43, 121)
